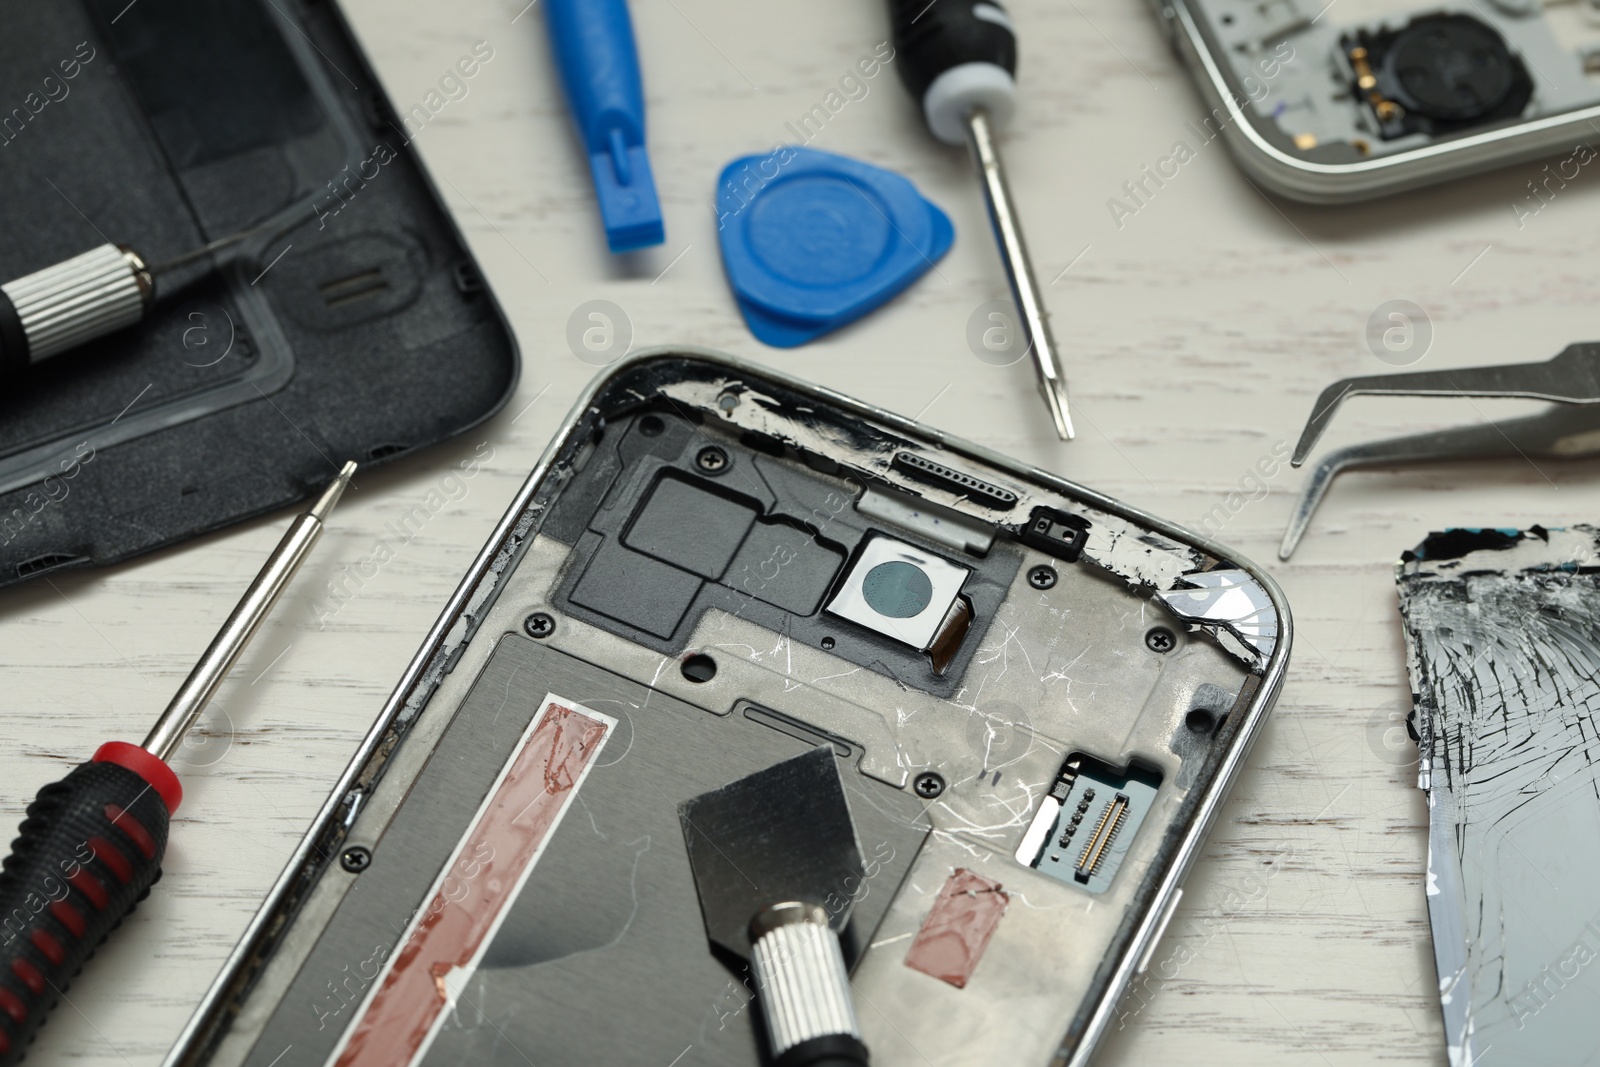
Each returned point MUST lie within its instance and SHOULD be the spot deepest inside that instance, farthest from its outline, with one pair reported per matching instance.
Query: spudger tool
(958, 58)
(91, 844)
(795, 278)
(1569, 429)
(773, 855)
(599, 64)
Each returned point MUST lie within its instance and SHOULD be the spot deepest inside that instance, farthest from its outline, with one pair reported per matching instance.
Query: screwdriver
(68, 304)
(90, 845)
(958, 58)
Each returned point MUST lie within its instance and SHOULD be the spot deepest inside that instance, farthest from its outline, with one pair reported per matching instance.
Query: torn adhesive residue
(1235, 603)
(958, 928)
(1137, 555)
(469, 900)
(1125, 548)
(1503, 635)
(1228, 604)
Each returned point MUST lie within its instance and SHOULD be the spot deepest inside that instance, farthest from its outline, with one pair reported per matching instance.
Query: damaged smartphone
(1502, 634)
(1037, 699)
(1325, 103)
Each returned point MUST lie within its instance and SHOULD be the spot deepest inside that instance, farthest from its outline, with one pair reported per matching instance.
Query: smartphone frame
(1268, 157)
(1141, 929)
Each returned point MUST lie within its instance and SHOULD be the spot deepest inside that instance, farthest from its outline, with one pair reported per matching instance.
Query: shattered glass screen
(1503, 635)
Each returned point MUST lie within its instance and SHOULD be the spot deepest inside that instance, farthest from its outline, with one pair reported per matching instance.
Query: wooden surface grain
(1196, 334)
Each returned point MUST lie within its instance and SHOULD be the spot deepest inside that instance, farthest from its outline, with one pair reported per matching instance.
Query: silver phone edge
(1343, 183)
(197, 1031)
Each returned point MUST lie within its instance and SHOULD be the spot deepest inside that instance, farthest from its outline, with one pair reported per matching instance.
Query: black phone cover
(351, 324)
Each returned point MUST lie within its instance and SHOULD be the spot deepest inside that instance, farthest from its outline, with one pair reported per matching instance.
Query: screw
(928, 785)
(1161, 639)
(539, 625)
(1042, 577)
(712, 460)
(356, 859)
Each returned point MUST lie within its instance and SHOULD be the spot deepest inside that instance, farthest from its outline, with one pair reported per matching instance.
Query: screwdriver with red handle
(90, 845)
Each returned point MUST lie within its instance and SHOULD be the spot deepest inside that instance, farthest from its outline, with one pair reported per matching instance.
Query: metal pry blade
(775, 856)
(782, 834)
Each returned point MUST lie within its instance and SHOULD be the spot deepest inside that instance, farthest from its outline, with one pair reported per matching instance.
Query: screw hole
(1200, 721)
(651, 426)
(699, 668)
(827, 644)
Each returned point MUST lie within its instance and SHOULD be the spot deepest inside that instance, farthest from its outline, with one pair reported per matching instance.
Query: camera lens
(897, 590)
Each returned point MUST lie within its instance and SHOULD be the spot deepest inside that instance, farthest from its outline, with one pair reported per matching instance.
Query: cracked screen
(1503, 634)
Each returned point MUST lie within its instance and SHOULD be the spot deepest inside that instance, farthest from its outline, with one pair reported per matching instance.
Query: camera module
(899, 591)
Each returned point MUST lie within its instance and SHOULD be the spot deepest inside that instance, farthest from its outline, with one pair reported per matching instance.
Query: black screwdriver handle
(834, 1050)
(954, 55)
(88, 850)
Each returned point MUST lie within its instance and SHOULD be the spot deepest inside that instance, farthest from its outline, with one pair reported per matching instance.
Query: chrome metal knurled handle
(799, 969)
(85, 297)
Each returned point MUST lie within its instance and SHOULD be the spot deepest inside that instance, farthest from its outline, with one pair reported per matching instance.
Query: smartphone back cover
(353, 325)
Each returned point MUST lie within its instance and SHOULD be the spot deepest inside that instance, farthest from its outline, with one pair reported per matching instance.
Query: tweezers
(1568, 429)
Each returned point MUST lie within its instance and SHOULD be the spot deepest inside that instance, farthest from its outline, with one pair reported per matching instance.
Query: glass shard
(1503, 639)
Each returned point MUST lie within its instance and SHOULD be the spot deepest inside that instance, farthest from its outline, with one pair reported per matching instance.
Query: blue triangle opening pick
(812, 241)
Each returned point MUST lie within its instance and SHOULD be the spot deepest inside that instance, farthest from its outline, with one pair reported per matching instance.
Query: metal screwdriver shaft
(1019, 271)
(197, 690)
(958, 58)
(91, 844)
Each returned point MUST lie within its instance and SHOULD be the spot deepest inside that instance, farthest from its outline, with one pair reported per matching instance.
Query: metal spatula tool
(1569, 429)
(775, 856)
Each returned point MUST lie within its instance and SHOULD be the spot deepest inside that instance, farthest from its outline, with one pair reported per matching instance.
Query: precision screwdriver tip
(1055, 395)
(330, 496)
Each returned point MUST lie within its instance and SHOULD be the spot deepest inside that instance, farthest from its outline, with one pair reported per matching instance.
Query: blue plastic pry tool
(594, 47)
(812, 241)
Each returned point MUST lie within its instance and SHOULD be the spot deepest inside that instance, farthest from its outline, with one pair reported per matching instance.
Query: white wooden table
(1196, 335)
